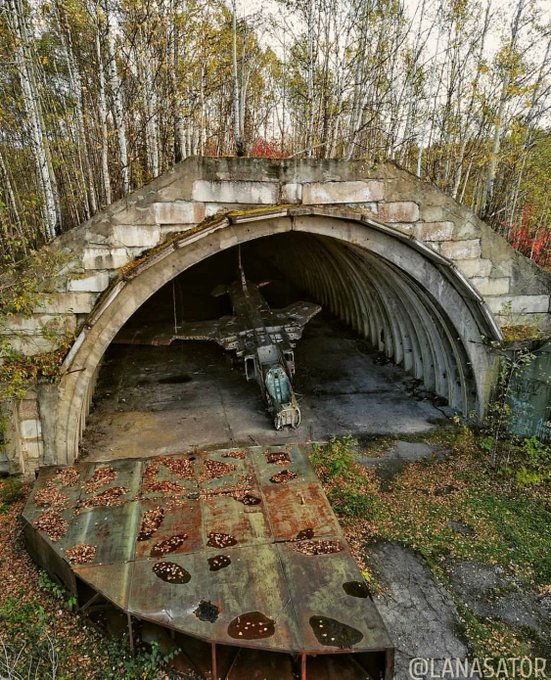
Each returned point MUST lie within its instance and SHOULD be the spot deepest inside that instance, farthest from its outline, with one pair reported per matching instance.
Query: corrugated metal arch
(408, 300)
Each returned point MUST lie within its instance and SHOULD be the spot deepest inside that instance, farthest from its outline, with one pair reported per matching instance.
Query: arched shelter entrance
(407, 300)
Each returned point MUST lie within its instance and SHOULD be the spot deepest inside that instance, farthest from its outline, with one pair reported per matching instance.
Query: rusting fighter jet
(263, 338)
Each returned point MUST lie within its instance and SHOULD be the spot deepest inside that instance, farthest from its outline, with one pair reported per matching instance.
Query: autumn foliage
(535, 243)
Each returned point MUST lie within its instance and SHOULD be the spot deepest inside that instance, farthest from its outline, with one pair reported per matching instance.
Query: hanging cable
(174, 306)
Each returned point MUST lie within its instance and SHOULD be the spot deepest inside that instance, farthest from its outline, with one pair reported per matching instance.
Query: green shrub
(11, 490)
(350, 502)
(335, 459)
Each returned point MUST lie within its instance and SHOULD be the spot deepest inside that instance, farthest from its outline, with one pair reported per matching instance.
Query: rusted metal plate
(127, 475)
(251, 664)
(298, 510)
(246, 524)
(209, 544)
(297, 465)
(44, 552)
(219, 470)
(329, 588)
(49, 478)
(233, 592)
(111, 530)
(179, 528)
(169, 476)
(111, 580)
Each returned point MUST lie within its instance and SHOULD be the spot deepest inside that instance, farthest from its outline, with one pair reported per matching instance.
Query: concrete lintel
(256, 217)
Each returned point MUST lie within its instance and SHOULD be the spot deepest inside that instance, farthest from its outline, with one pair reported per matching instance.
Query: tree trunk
(498, 126)
(116, 98)
(102, 105)
(237, 119)
(39, 143)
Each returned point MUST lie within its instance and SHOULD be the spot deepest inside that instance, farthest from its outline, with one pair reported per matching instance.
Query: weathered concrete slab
(263, 193)
(461, 250)
(399, 211)
(178, 212)
(434, 231)
(135, 236)
(342, 192)
(91, 284)
(420, 615)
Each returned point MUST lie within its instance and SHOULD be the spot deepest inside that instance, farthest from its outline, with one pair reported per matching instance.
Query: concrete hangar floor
(153, 400)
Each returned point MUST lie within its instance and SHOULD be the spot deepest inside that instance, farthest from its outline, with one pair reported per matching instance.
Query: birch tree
(116, 95)
(18, 18)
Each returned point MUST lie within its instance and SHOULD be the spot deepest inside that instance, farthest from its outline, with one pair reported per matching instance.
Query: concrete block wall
(515, 289)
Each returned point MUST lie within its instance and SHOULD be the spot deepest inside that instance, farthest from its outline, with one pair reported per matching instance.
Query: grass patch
(11, 490)
(506, 522)
(489, 638)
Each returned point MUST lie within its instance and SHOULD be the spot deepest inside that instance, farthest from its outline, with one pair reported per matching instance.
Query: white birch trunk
(116, 98)
(76, 87)
(102, 106)
(498, 126)
(39, 143)
(237, 128)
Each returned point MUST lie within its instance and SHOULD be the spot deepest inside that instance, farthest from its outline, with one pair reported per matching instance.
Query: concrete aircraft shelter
(416, 274)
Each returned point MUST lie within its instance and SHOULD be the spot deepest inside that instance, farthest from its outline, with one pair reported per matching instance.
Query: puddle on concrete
(218, 562)
(175, 380)
(219, 540)
(356, 589)
(168, 545)
(251, 626)
(171, 572)
(334, 633)
(206, 611)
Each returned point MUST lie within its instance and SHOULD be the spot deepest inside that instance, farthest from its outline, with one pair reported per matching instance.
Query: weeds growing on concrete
(503, 516)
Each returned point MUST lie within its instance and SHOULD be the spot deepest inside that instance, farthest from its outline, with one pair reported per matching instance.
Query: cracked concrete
(490, 592)
(420, 615)
(394, 460)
